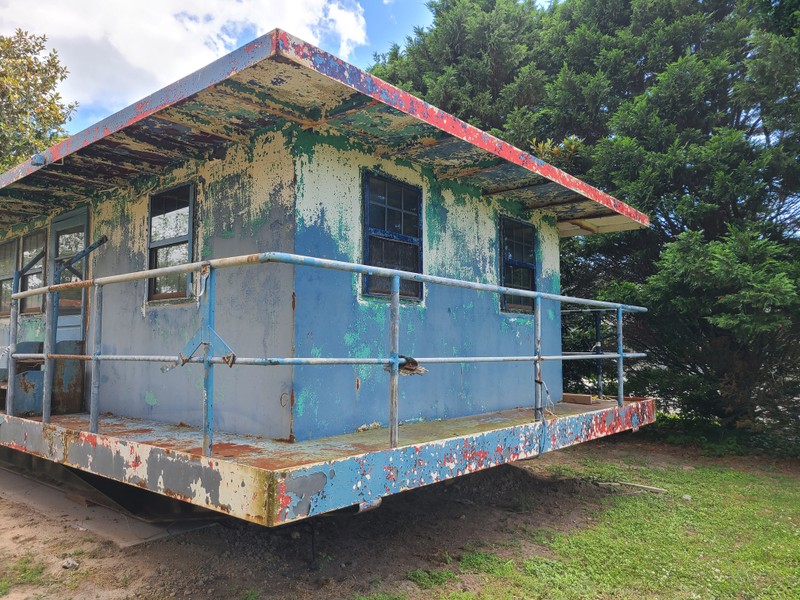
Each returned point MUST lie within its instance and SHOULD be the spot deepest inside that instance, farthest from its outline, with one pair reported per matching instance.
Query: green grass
(431, 579)
(24, 571)
(738, 537)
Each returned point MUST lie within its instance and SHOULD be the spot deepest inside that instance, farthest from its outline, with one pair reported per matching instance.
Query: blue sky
(119, 52)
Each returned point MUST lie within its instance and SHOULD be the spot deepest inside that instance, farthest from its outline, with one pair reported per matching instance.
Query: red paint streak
(88, 438)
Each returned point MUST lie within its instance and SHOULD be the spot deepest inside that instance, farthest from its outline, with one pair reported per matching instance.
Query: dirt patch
(502, 510)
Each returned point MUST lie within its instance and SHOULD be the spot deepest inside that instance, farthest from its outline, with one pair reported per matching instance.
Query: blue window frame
(518, 262)
(392, 233)
(170, 228)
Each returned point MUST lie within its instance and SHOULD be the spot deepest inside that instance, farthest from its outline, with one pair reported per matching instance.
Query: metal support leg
(97, 321)
(598, 349)
(394, 355)
(13, 333)
(207, 318)
(51, 304)
(537, 340)
(620, 352)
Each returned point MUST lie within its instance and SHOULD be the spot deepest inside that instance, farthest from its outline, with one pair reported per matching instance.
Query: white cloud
(118, 52)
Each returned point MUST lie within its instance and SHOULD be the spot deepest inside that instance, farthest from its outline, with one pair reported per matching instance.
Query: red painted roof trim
(337, 69)
(300, 52)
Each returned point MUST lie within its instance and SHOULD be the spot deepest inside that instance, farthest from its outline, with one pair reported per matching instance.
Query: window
(170, 240)
(518, 263)
(8, 264)
(33, 246)
(69, 241)
(393, 236)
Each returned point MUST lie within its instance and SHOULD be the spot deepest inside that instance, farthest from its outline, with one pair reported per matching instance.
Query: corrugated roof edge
(292, 48)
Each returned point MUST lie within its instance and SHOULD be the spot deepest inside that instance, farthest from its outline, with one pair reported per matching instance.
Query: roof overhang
(278, 79)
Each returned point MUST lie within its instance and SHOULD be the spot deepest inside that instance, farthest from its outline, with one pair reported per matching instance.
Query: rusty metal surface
(279, 81)
(272, 482)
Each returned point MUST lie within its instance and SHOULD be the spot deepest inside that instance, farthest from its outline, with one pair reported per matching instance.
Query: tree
(686, 110)
(32, 114)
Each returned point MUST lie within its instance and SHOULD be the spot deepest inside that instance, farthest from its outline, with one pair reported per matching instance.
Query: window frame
(23, 280)
(14, 243)
(505, 306)
(370, 232)
(188, 239)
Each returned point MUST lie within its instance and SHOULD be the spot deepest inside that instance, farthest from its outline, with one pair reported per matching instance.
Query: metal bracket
(204, 336)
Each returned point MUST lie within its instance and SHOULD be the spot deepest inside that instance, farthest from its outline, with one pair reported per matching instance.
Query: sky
(118, 52)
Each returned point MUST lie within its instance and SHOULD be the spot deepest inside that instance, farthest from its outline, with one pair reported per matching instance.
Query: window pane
(7, 258)
(411, 201)
(169, 214)
(169, 285)
(70, 241)
(518, 242)
(377, 190)
(394, 221)
(377, 216)
(31, 246)
(69, 301)
(394, 195)
(411, 225)
(31, 282)
(5, 295)
(393, 255)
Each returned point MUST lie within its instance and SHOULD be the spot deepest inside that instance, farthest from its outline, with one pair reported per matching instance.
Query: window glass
(518, 254)
(8, 256)
(33, 245)
(170, 227)
(393, 238)
(6, 287)
(70, 241)
(8, 264)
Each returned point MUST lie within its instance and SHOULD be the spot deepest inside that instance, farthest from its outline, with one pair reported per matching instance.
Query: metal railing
(212, 343)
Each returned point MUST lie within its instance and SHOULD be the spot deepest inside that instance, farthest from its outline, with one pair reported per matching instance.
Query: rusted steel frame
(97, 322)
(537, 345)
(314, 489)
(337, 265)
(394, 357)
(620, 353)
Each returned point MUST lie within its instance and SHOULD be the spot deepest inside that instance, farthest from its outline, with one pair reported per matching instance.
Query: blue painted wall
(460, 240)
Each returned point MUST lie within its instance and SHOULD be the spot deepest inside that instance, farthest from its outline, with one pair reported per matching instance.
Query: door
(67, 238)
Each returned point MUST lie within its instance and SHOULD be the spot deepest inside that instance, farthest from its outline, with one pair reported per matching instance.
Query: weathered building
(257, 385)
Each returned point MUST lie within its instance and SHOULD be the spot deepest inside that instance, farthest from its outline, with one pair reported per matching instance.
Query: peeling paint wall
(301, 191)
(333, 318)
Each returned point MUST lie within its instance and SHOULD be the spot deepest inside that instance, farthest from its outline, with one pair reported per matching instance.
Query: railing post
(598, 349)
(208, 290)
(620, 352)
(97, 321)
(537, 340)
(50, 329)
(394, 356)
(13, 333)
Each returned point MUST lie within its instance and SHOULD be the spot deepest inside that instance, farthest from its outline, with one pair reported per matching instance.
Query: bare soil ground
(354, 554)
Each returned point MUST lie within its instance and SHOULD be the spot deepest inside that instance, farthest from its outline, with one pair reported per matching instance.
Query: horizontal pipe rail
(300, 361)
(308, 261)
(207, 338)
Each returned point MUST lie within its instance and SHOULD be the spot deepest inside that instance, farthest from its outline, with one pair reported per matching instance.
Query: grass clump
(430, 579)
(24, 571)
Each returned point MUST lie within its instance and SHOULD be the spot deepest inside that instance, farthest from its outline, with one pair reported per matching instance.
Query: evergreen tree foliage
(690, 112)
(32, 114)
